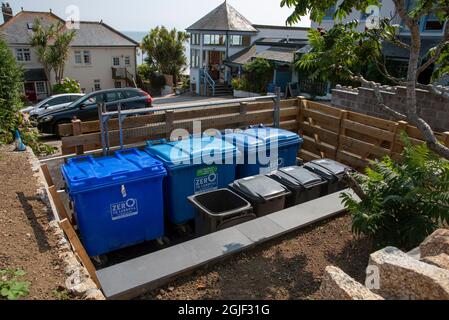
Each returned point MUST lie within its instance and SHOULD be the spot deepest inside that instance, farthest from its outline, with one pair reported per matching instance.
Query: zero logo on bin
(206, 179)
(124, 209)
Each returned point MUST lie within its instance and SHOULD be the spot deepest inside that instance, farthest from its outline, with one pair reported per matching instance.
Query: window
(74, 98)
(86, 55)
(194, 58)
(23, 54)
(58, 100)
(115, 61)
(78, 57)
(41, 87)
(131, 94)
(97, 85)
(329, 15)
(239, 40)
(195, 39)
(82, 57)
(214, 39)
(432, 23)
(30, 25)
(118, 84)
(127, 61)
(111, 97)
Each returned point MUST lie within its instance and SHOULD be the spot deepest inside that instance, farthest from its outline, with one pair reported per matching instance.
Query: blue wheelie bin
(194, 166)
(117, 199)
(264, 149)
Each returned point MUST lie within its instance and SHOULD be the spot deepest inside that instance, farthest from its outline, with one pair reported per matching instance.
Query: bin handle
(82, 159)
(151, 143)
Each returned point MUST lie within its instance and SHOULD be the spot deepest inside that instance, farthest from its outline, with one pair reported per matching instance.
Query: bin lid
(335, 167)
(269, 135)
(87, 172)
(260, 188)
(297, 177)
(243, 140)
(191, 150)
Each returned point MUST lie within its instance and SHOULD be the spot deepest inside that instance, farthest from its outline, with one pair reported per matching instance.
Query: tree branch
(438, 51)
(383, 70)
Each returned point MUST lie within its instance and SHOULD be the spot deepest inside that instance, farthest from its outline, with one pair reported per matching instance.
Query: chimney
(7, 12)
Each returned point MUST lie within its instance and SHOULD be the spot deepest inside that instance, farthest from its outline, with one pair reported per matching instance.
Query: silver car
(52, 103)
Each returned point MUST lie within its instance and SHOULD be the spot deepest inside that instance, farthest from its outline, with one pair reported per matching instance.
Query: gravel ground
(24, 240)
(290, 268)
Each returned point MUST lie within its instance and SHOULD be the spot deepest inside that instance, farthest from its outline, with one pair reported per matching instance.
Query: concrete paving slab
(215, 245)
(261, 229)
(135, 277)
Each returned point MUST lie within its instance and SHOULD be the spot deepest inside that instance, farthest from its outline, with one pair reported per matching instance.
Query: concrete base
(134, 277)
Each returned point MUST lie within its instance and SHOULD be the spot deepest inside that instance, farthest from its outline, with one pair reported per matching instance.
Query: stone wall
(395, 275)
(433, 109)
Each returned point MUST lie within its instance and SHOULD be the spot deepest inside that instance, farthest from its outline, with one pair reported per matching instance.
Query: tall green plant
(165, 51)
(405, 201)
(258, 74)
(52, 46)
(10, 93)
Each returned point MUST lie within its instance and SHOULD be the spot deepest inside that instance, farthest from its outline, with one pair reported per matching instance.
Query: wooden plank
(362, 148)
(307, 155)
(336, 112)
(323, 149)
(60, 209)
(77, 130)
(352, 160)
(368, 130)
(330, 122)
(47, 175)
(79, 249)
(371, 121)
(325, 135)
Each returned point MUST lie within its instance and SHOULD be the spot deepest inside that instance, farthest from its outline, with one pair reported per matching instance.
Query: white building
(431, 28)
(223, 40)
(100, 57)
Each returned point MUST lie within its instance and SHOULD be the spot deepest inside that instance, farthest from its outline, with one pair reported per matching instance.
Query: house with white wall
(430, 27)
(100, 57)
(223, 40)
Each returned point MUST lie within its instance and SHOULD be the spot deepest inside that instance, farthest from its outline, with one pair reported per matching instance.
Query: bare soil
(291, 268)
(25, 239)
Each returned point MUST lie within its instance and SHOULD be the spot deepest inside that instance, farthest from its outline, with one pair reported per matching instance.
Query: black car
(86, 109)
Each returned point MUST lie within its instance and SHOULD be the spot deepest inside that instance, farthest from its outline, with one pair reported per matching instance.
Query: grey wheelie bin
(218, 210)
(304, 184)
(330, 170)
(265, 194)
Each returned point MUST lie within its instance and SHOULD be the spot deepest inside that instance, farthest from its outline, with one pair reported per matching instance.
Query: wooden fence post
(47, 175)
(60, 209)
(400, 126)
(77, 131)
(79, 249)
(301, 102)
(169, 123)
(341, 133)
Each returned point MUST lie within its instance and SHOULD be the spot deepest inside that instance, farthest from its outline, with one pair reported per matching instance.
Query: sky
(142, 15)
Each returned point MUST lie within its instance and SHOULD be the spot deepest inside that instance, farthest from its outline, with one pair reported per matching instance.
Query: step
(135, 277)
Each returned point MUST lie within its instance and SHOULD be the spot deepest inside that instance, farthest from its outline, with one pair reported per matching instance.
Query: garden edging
(78, 281)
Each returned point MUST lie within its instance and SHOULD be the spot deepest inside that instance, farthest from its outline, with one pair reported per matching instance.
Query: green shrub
(240, 84)
(10, 286)
(258, 74)
(406, 201)
(67, 85)
(11, 100)
(10, 93)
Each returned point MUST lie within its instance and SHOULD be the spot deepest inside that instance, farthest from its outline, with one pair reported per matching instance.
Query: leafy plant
(11, 101)
(165, 51)
(405, 201)
(10, 286)
(61, 294)
(67, 85)
(258, 74)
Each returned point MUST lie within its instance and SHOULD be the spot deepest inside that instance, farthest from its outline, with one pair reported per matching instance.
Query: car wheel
(56, 127)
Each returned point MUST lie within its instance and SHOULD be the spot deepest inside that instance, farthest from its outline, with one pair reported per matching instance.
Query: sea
(139, 35)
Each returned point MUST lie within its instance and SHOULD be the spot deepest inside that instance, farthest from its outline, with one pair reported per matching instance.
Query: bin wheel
(100, 260)
(163, 241)
(185, 229)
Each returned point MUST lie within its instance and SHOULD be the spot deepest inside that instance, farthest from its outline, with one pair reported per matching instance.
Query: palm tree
(52, 45)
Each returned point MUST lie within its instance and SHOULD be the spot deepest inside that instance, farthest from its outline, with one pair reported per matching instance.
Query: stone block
(435, 244)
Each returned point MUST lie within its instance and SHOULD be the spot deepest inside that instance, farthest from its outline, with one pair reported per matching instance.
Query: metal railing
(104, 115)
(208, 81)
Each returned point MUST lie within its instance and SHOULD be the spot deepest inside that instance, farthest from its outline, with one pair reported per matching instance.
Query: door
(88, 109)
(30, 91)
(283, 77)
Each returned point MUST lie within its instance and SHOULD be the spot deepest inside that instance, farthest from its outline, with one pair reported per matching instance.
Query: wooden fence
(346, 136)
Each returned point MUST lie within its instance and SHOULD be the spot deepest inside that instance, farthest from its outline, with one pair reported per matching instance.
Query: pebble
(171, 288)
